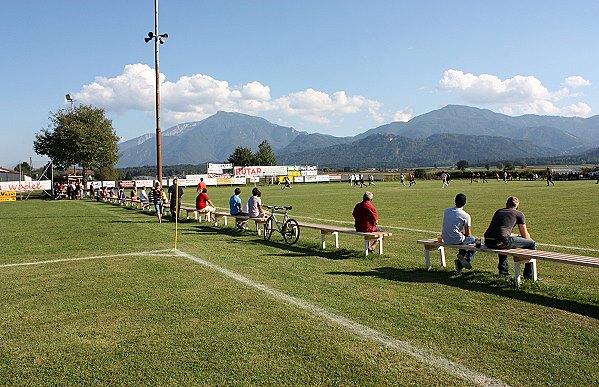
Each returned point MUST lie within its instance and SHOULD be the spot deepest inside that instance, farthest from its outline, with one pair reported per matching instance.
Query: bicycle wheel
(268, 226)
(291, 231)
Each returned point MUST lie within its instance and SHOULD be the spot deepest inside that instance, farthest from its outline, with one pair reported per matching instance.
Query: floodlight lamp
(150, 37)
(69, 98)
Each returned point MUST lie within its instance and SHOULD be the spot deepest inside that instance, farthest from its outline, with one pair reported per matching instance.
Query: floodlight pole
(158, 131)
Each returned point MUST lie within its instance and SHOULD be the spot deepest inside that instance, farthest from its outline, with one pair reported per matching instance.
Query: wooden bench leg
(366, 246)
(323, 240)
(381, 246)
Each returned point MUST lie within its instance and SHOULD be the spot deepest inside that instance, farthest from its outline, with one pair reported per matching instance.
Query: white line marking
(423, 355)
(435, 233)
(156, 253)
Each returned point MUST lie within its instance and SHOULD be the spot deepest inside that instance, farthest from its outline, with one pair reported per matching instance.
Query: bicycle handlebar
(277, 208)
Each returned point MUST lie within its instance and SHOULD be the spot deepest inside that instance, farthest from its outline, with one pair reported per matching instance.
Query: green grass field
(231, 309)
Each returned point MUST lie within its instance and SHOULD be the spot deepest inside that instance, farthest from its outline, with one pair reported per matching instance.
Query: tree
(107, 173)
(500, 165)
(509, 165)
(523, 164)
(80, 136)
(462, 165)
(264, 156)
(24, 168)
(241, 157)
(487, 166)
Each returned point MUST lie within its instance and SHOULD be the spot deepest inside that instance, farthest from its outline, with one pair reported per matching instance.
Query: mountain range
(442, 136)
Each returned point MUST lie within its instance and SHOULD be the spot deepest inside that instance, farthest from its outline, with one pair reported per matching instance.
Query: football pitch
(96, 294)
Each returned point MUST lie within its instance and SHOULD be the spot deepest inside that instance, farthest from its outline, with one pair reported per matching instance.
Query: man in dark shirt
(499, 234)
(175, 192)
(366, 217)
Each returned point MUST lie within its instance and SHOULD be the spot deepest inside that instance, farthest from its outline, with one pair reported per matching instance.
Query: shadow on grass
(482, 282)
(298, 251)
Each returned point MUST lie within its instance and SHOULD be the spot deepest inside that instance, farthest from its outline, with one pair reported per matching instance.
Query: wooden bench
(238, 219)
(335, 230)
(520, 256)
(196, 213)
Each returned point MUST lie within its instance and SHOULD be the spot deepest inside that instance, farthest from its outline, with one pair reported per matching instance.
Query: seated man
(366, 218)
(255, 209)
(235, 207)
(204, 204)
(499, 234)
(457, 231)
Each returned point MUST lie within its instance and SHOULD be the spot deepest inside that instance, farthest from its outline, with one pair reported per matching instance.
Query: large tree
(80, 136)
(264, 156)
(241, 157)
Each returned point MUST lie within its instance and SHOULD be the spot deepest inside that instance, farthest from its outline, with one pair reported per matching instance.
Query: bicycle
(287, 227)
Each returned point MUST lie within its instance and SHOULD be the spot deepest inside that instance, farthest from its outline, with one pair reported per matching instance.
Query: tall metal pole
(158, 131)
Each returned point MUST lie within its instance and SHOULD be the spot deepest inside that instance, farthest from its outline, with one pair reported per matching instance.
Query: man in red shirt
(203, 202)
(201, 185)
(366, 218)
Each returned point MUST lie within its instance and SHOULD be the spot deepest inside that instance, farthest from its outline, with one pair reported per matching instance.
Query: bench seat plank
(519, 255)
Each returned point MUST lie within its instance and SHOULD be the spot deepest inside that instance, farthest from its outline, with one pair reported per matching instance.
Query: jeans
(468, 254)
(513, 243)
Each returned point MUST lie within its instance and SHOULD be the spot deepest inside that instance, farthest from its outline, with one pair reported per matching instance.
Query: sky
(337, 67)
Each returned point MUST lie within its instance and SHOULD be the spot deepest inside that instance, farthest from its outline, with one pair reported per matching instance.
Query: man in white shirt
(457, 231)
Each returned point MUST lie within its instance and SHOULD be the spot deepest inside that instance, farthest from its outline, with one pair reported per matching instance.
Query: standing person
(255, 209)
(402, 178)
(203, 202)
(499, 234)
(457, 230)
(366, 218)
(505, 176)
(362, 181)
(156, 198)
(174, 195)
(484, 177)
(287, 183)
(412, 179)
(550, 178)
(201, 185)
(444, 180)
(370, 179)
(236, 209)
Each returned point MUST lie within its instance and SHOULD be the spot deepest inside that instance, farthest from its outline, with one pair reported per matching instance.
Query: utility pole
(158, 40)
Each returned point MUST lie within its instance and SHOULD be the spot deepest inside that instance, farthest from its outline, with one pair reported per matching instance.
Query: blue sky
(328, 66)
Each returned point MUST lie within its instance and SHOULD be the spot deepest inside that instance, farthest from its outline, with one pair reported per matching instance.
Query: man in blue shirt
(236, 208)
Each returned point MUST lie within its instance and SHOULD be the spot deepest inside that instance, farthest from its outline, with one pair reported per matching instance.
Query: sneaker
(463, 261)
(458, 266)
(371, 250)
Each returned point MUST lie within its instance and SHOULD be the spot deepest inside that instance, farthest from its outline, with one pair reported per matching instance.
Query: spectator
(175, 192)
(204, 203)
(255, 209)
(499, 234)
(366, 218)
(235, 207)
(457, 231)
(156, 198)
(143, 195)
(201, 185)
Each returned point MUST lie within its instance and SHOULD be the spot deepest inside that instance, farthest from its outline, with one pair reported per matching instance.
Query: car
(594, 174)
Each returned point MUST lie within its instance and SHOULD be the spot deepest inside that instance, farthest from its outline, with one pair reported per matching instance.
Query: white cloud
(404, 114)
(576, 81)
(517, 95)
(198, 96)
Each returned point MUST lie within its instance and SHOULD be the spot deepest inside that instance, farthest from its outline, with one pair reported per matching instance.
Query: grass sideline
(164, 320)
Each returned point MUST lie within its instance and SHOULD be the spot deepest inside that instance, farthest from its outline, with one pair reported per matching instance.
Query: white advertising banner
(322, 178)
(22, 186)
(298, 179)
(310, 179)
(238, 180)
(144, 183)
(218, 168)
(266, 170)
